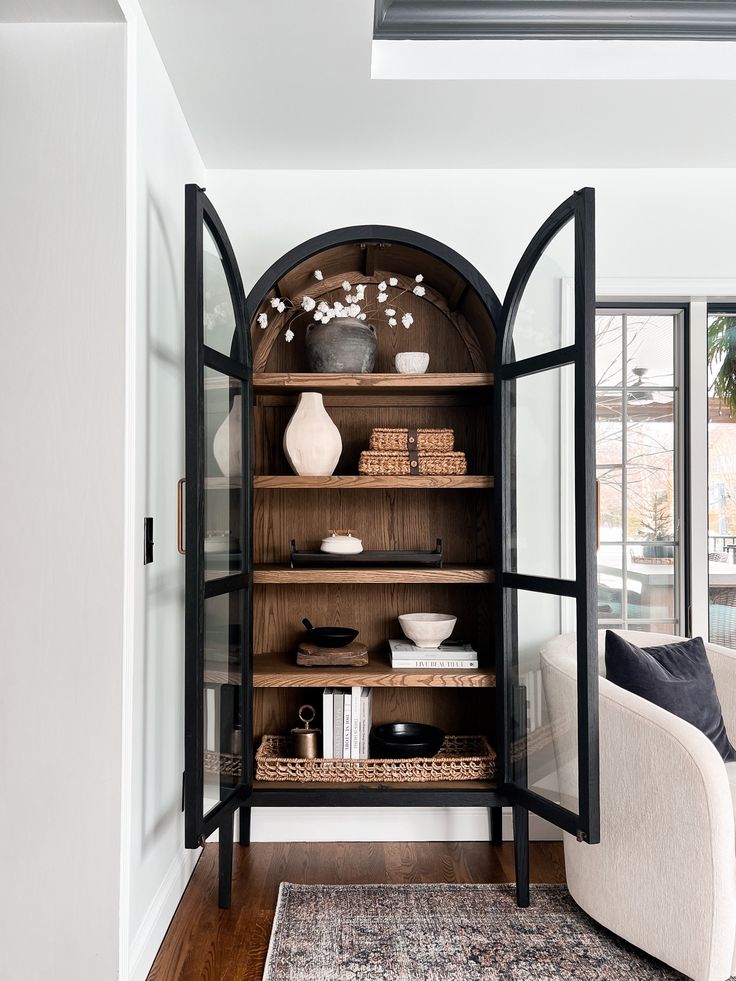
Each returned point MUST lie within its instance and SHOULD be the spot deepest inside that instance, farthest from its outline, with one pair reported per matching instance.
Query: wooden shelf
(278, 382)
(461, 574)
(423, 786)
(357, 482)
(281, 671)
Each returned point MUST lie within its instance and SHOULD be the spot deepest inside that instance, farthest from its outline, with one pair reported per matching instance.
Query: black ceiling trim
(709, 20)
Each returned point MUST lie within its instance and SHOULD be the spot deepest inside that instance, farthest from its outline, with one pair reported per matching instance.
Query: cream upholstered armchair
(664, 875)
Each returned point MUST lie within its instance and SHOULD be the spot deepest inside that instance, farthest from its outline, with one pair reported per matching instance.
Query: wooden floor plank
(205, 943)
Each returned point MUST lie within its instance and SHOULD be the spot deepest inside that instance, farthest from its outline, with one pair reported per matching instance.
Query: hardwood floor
(205, 943)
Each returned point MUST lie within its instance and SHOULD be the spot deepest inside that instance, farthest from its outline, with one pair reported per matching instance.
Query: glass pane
(650, 435)
(218, 313)
(223, 474)
(545, 727)
(545, 317)
(650, 582)
(609, 410)
(223, 642)
(544, 474)
(722, 478)
(652, 628)
(610, 582)
(608, 350)
(650, 351)
(611, 503)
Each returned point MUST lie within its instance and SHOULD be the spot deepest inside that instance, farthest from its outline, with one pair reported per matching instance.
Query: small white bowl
(412, 362)
(427, 629)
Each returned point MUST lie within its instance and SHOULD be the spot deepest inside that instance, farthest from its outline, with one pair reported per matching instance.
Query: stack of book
(346, 722)
(451, 654)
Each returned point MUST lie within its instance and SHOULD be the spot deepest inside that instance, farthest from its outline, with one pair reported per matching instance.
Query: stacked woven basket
(412, 452)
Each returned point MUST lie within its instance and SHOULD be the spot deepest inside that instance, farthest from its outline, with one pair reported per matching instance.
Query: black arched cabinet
(515, 382)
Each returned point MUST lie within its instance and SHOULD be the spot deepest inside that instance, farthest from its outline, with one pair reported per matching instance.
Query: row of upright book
(346, 722)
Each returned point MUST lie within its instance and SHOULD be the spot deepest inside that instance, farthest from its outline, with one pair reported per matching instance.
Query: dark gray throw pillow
(677, 677)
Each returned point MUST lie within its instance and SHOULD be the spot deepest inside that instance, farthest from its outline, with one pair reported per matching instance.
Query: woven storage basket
(423, 440)
(460, 758)
(411, 464)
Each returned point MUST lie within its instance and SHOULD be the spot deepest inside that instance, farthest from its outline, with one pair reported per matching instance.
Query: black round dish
(329, 636)
(405, 740)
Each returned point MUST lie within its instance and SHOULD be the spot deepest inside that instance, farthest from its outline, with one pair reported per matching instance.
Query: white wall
(163, 157)
(667, 225)
(62, 374)
(650, 223)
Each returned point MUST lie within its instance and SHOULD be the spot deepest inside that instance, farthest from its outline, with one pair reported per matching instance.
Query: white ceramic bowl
(412, 362)
(427, 629)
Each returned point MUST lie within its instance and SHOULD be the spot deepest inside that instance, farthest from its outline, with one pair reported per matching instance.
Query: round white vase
(228, 441)
(312, 442)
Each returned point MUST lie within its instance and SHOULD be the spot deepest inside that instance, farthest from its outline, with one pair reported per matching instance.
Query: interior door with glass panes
(546, 459)
(218, 377)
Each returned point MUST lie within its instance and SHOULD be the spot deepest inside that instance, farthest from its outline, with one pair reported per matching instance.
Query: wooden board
(448, 574)
(312, 655)
(280, 671)
(358, 482)
(275, 381)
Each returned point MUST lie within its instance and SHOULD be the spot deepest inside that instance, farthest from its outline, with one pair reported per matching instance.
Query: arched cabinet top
(456, 320)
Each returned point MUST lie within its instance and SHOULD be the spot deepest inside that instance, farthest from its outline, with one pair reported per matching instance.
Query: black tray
(304, 559)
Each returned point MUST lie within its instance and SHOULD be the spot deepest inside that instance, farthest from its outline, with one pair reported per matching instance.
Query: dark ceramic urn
(342, 345)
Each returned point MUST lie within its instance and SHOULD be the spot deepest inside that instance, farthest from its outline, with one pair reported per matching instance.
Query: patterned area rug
(444, 933)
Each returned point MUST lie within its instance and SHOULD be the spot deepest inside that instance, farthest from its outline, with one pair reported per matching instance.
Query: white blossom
(319, 316)
(390, 312)
(382, 297)
(353, 309)
(262, 321)
(346, 285)
(360, 290)
(322, 306)
(361, 316)
(392, 322)
(419, 278)
(289, 336)
(419, 290)
(281, 306)
(338, 305)
(407, 320)
(393, 281)
(318, 274)
(275, 302)
(382, 287)
(308, 303)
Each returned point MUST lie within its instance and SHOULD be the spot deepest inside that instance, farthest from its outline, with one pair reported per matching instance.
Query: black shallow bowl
(405, 740)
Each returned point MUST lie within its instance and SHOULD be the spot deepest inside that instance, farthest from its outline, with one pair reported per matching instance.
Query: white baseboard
(159, 914)
(386, 824)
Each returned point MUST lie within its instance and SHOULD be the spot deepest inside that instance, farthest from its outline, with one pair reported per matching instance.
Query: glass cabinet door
(545, 403)
(218, 510)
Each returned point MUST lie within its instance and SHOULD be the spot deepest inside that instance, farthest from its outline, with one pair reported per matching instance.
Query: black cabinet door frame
(579, 208)
(200, 214)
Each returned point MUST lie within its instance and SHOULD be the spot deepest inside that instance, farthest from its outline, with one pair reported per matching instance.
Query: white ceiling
(287, 84)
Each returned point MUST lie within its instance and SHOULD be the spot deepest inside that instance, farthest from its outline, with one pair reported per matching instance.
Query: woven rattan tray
(411, 464)
(460, 758)
(404, 440)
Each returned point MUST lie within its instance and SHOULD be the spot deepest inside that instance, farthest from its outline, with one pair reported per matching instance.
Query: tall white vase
(312, 442)
(227, 444)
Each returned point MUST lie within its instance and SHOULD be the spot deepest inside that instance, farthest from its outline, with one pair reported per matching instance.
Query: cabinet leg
(245, 825)
(496, 819)
(521, 854)
(225, 884)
